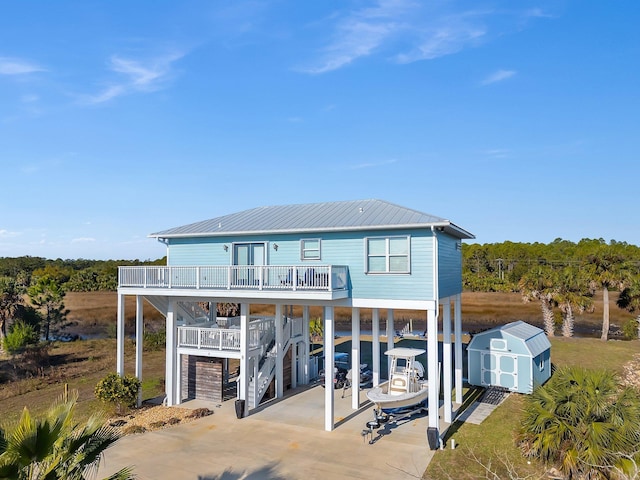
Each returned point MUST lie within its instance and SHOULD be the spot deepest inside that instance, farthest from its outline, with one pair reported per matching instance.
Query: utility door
(248, 255)
(500, 370)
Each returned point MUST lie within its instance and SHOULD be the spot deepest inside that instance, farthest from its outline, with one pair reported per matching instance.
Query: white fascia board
(394, 304)
(298, 297)
(447, 225)
(204, 352)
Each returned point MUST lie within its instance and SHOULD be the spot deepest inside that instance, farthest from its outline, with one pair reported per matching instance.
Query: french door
(248, 255)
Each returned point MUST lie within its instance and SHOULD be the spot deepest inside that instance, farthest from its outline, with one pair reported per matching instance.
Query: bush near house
(120, 392)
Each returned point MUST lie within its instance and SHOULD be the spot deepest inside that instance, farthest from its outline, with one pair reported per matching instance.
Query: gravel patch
(631, 372)
(155, 417)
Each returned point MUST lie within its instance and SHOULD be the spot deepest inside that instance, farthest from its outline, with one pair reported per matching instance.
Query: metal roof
(315, 217)
(534, 337)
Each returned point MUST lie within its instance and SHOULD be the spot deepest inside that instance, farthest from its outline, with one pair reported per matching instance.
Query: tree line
(44, 283)
(562, 274)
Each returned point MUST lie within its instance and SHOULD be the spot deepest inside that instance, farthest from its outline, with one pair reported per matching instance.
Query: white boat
(405, 387)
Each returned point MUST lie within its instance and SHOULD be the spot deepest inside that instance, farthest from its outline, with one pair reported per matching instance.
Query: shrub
(584, 422)
(121, 392)
(19, 336)
(630, 329)
(154, 341)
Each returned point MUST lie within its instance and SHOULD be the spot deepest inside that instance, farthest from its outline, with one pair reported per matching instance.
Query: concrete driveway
(285, 440)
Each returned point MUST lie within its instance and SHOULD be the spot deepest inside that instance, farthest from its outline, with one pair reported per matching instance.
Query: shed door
(499, 369)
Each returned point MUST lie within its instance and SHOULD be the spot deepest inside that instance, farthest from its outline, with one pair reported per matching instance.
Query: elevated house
(367, 254)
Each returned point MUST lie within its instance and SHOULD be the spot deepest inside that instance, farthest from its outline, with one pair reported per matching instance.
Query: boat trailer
(381, 418)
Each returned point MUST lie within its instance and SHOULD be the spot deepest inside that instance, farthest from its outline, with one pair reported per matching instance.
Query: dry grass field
(93, 312)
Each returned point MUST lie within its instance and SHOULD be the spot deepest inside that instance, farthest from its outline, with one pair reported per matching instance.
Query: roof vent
(361, 209)
(220, 225)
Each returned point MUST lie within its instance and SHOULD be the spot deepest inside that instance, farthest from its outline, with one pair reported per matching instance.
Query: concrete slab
(285, 440)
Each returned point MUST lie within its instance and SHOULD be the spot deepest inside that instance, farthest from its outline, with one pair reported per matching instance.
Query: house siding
(337, 248)
(449, 266)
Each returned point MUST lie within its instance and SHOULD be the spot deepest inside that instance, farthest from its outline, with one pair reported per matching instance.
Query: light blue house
(367, 254)
(515, 356)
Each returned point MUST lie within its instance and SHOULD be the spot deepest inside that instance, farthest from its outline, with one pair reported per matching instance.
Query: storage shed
(515, 356)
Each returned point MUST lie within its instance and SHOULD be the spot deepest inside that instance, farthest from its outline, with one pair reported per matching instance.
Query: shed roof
(534, 338)
(315, 217)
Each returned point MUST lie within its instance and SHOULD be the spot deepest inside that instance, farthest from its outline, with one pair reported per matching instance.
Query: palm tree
(583, 421)
(574, 294)
(539, 284)
(629, 299)
(55, 447)
(608, 270)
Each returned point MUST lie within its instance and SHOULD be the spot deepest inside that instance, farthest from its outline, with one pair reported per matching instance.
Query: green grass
(493, 443)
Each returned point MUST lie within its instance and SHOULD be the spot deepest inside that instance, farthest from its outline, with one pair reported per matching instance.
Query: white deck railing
(209, 338)
(238, 277)
(261, 332)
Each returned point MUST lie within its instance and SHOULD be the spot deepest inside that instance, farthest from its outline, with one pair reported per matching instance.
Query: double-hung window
(387, 254)
(310, 249)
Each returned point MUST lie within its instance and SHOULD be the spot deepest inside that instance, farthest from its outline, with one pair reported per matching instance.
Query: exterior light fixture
(275, 247)
(226, 248)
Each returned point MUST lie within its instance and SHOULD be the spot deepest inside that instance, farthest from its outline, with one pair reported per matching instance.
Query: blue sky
(517, 120)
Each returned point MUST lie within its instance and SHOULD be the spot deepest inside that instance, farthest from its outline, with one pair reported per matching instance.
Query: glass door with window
(248, 255)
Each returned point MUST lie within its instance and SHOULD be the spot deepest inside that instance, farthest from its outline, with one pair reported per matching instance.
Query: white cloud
(83, 240)
(498, 76)
(8, 234)
(444, 40)
(407, 31)
(498, 153)
(15, 66)
(537, 13)
(361, 166)
(360, 33)
(139, 76)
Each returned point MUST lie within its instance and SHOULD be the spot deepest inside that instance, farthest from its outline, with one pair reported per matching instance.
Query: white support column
(244, 356)
(256, 372)
(120, 336)
(457, 326)
(171, 354)
(432, 367)
(329, 364)
(279, 353)
(355, 358)
(294, 364)
(375, 346)
(446, 359)
(179, 379)
(307, 346)
(390, 335)
(139, 341)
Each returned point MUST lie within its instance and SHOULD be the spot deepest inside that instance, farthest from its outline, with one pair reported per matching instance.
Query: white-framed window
(310, 249)
(387, 254)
